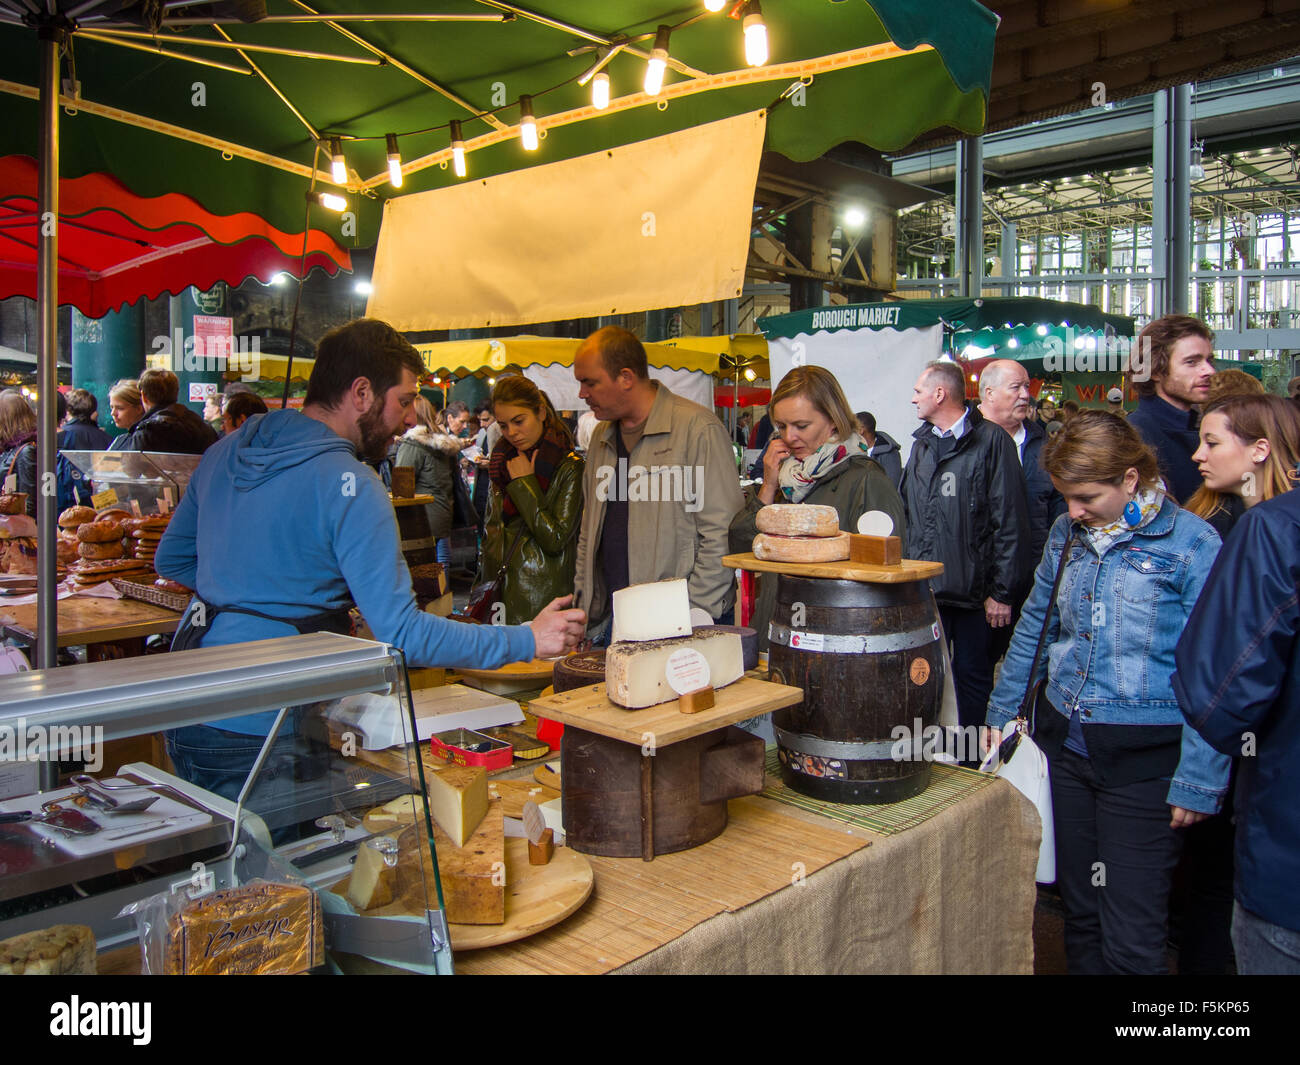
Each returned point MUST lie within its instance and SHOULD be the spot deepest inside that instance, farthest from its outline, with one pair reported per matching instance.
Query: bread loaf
(772, 548)
(100, 532)
(260, 928)
(798, 519)
(97, 552)
(76, 516)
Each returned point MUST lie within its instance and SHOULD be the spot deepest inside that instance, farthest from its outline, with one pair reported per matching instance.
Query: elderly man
(964, 494)
(1005, 400)
(659, 486)
(1178, 353)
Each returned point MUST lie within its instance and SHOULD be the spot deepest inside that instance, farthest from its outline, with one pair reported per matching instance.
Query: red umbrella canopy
(748, 395)
(116, 247)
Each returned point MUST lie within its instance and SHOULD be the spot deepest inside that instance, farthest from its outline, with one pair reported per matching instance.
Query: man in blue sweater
(283, 527)
(1177, 351)
(1237, 683)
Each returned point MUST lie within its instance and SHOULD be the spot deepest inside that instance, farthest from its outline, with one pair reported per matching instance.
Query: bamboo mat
(949, 785)
(638, 906)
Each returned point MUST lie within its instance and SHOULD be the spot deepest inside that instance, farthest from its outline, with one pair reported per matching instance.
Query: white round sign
(687, 671)
(875, 523)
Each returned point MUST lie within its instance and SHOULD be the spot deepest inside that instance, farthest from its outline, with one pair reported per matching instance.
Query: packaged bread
(260, 929)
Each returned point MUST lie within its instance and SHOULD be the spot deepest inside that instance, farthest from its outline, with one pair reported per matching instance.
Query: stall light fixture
(714, 5)
(654, 70)
(281, 279)
(492, 382)
(755, 34)
(600, 91)
(457, 149)
(855, 218)
(394, 161)
(328, 200)
(362, 288)
(527, 124)
(1041, 330)
(1012, 343)
(1196, 169)
(338, 165)
(437, 380)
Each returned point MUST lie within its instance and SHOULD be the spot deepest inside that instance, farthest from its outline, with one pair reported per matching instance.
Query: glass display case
(145, 476)
(318, 798)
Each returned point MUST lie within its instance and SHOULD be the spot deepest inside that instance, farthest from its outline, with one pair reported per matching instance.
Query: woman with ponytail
(535, 499)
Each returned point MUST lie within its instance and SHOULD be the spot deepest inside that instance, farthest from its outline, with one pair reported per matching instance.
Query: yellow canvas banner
(661, 223)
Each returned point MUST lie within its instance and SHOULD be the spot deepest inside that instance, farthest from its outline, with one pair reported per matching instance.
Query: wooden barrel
(868, 659)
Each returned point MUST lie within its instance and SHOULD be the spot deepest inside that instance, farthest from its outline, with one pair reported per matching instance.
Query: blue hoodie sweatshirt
(281, 517)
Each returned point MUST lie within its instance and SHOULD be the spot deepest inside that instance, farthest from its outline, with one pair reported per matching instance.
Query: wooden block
(474, 876)
(540, 853)
(694, 702)
(403, 481)
(421, 678)
(876, 550)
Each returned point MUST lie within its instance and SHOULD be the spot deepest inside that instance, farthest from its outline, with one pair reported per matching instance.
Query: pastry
(75, 516)
(100, 532)
(99, 552)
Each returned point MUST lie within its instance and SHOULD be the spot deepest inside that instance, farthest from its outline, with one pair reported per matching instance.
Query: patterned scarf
(797, 478)
(1103, 537)
(551, 450)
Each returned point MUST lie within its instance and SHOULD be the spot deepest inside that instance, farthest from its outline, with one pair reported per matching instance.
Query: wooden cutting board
(908, 570)
(514, 793)
(536, 670)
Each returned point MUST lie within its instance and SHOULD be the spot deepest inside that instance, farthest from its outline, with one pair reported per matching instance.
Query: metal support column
(969, 199)
(1171, 243)
(1010, 258)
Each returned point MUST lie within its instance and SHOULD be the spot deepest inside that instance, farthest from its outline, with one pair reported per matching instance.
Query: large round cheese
(771, 548)
(799, 519)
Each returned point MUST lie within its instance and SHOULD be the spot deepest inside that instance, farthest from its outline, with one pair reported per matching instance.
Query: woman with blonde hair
(535, 501)
(127, 408)
(816, 456)
(1117, 581)
(1250, 448)
(434, 454)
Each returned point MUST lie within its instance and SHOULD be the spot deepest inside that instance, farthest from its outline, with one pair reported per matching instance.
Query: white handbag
(1025, 769)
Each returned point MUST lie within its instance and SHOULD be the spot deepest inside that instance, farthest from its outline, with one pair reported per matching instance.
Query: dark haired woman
(536, 498)
(1126, 774)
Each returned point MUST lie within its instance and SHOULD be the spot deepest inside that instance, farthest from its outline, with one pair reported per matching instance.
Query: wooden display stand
(655, 781)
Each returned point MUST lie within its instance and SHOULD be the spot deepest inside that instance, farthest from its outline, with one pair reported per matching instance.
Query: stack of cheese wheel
(800, 532)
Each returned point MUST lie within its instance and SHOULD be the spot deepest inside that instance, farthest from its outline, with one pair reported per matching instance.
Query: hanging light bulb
(600, 91)
(457, 149)
(394, 161)
(749, 374)
(755, 35)
(527, 124)
(338, 165)
(714, 5)
(328, 200)
(654, 71)
(1196, 170)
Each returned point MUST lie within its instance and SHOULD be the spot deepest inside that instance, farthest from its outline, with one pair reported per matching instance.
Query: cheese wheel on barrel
(798, 519)
(771, 548)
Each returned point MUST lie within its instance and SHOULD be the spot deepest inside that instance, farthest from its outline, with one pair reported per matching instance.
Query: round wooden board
(537, 897)
(537, 669)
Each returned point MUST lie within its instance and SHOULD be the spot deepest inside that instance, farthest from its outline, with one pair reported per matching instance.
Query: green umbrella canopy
(486, 66)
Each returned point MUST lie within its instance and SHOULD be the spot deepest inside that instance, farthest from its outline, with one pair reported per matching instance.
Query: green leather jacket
(543, 565)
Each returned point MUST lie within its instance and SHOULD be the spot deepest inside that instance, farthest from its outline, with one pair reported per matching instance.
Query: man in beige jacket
(659, 488)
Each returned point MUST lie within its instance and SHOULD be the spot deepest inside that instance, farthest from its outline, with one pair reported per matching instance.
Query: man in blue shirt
(1174, 357)
(284, 526)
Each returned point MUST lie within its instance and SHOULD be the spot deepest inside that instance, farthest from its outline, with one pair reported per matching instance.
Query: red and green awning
(231, 142)
(116, 247)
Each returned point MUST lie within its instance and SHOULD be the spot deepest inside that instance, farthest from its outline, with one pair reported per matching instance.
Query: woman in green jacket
(536, 495)
(816, 456)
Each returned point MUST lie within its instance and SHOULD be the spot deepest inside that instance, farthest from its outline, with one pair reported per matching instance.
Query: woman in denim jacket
(1126, 773)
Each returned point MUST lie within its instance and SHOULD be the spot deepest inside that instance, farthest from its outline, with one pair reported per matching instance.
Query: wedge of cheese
(635, 672)
(458, 799)
(654, 611)
(798, 519)
(772, 548)
(374, 881)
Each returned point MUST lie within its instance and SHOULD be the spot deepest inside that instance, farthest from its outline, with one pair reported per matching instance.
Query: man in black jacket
(81, 432)
(965, 500)
(1177, 353)
(167, 425)
(881, 446)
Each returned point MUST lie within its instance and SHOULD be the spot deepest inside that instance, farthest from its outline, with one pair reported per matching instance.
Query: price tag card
(135, 508)
(687, 671)
(11, 484)
(103, 499)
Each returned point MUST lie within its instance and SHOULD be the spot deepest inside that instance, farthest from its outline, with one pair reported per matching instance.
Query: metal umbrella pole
(52, 39)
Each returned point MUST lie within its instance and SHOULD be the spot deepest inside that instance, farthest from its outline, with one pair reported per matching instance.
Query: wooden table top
(93, 619)
(864, 572)
(590, 709)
